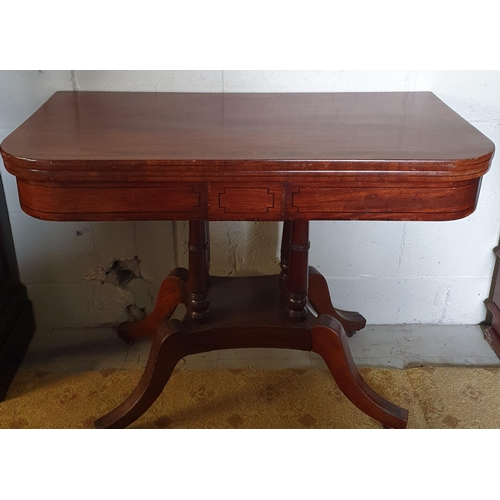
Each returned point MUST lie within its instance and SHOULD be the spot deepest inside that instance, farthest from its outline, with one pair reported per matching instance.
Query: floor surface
(389, 346)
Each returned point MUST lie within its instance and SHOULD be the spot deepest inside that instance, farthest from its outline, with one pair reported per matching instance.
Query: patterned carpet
(438, 397)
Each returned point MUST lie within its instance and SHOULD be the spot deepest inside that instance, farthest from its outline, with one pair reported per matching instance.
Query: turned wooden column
(298, 271)
(198, 278)
(285, 252)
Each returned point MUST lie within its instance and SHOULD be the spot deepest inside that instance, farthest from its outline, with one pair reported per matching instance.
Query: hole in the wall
(127, 276)
(120, 275)
(122, 272)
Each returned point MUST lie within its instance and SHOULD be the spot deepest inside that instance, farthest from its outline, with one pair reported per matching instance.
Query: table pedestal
(231, 313)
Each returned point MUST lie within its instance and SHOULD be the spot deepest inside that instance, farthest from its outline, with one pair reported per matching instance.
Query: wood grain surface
(341, 156)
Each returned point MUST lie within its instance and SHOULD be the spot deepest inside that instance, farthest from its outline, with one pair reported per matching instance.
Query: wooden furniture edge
(492, 322)
(236, 201)
(162, 170)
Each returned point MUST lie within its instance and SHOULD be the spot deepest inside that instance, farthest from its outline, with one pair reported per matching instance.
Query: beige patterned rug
(435, 397)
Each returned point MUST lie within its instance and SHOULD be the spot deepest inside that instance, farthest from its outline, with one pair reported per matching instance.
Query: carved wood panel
(235, 201)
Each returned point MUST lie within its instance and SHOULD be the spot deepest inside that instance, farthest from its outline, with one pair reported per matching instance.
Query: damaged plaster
(126, 280)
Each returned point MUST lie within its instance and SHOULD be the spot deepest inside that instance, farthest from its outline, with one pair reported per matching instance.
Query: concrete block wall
(91, 274)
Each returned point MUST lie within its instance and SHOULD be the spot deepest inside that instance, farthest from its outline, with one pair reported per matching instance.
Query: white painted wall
(391, 272)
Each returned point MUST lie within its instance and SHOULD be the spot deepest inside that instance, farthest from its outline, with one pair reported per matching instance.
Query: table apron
(265, 201)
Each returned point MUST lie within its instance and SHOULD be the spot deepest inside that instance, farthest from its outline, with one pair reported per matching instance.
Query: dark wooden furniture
(275, 157)
(17, 323)
(492, 332)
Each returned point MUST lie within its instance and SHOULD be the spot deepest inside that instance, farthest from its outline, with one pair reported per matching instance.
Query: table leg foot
(168, 347)
(172, 293)
(319, 297)
(330, 342)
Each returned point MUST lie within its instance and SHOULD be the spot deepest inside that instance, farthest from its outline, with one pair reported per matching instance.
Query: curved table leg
(171, 294)
(319, 297)
(330, 342)
(168, 347)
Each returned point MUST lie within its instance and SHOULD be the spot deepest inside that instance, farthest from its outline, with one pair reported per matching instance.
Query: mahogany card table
(101, 156)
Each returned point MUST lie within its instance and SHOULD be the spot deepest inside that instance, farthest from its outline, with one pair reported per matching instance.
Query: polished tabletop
(185, 156)
(172, 128)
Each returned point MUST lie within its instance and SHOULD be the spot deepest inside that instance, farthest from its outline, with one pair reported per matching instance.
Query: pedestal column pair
(294, 268)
